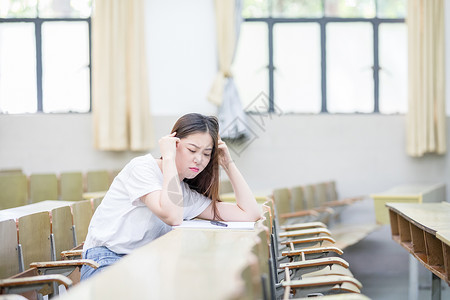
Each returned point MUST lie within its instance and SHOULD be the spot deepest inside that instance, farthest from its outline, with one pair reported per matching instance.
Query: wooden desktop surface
(183, 264)
(423, 229)
(20, 211)
(92, 195)
(431, 217)
(260, 197)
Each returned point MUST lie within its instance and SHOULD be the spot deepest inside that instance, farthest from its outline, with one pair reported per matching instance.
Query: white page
(206, 224)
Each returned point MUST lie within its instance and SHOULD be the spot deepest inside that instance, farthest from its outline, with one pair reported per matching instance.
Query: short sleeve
(194, 202)
(142, 180)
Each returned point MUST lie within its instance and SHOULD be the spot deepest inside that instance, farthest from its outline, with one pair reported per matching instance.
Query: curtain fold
(120, 98)
(426, 119)
(223, 93)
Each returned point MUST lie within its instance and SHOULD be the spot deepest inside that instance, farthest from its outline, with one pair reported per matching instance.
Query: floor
(381, 264)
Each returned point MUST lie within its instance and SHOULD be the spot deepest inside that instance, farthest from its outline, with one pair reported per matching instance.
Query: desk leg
(435, 287)
(413, 278)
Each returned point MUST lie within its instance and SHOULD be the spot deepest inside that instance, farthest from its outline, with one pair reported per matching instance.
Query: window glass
(349, 67)
(391, 8)
(17, 68)
(65, 53)
(297, 63)
(350, 8)
(297, 8)
(255, 8)
(18, 8)
(393, 56)
(250, 64)
(64, 8)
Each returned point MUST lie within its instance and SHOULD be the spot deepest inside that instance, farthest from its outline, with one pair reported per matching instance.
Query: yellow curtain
(226, 44)
(426, 119)
(119, 77)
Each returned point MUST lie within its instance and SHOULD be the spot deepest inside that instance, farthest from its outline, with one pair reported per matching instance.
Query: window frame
(38, 22)
(323, 21)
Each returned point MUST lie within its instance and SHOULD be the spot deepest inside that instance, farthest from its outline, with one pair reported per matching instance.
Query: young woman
(150, 195)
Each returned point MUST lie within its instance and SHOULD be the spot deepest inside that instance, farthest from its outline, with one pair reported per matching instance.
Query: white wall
(364, 153)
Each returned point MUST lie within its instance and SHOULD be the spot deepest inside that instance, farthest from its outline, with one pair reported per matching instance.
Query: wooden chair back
(320, 193)
(82, 214)
(114, 174)
(332, 191)
(297, 198)
(9, 262)
(225, 187)
(11, 171)
(96, 202)
(308, 193)
(34, 236)
(43, 187)
(62, 230)
(282, 200)
(71, 186)
(98, 181)
(14, 190)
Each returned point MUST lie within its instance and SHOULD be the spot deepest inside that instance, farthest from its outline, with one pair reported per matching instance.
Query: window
(319, 56)
(45, 56)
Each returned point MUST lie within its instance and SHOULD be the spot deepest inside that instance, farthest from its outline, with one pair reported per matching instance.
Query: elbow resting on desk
(172, 219)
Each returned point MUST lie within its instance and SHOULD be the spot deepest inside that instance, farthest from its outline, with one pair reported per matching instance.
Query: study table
(423, 229)
(20, 211)
(182, 264)
(408, 193)
(260, 197)
(93, 195)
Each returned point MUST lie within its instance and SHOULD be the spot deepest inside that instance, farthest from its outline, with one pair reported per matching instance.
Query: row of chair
(19, 189)
(320, 202)
(295, 261)
(32, 249)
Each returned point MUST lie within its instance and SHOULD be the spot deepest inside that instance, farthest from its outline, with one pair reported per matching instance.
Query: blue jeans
(101, 255)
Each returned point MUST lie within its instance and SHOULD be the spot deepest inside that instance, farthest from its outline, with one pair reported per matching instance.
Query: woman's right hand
(168, 146)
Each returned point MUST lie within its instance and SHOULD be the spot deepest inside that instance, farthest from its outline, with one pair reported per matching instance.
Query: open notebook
(206, 224)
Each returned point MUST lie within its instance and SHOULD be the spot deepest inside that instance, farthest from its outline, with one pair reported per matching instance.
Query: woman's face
(193, 154)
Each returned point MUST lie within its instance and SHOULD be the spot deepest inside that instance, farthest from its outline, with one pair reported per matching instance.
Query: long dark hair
(207, 182)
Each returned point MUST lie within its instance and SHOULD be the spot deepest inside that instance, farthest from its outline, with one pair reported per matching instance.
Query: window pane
(17, 68)
(255, 8)
(349, 67)
(64, 8)
(391, 8)
(350, 8)
(250, 64)
(394, 65)
(298, 73)
(298, 8)
(18, 8)
(65, 66)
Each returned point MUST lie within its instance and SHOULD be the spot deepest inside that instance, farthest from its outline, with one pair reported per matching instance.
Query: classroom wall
(364, 153)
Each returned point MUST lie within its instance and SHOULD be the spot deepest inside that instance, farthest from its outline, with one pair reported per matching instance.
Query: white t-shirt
(122, 222)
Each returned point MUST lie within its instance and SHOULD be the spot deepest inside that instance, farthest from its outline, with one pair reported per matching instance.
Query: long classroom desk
(423, 229)
(182, 264)
(20, 211)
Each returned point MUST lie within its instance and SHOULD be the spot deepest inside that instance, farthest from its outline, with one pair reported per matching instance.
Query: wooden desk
(93, 195)
(412, 193)
(20, 211)
(183, 264)
(424, 230)
(231, 197)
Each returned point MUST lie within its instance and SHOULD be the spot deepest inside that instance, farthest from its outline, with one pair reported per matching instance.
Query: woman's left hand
(224, 154)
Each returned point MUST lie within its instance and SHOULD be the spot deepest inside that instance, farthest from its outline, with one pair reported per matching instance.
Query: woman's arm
(167, 204)
(246, 208)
